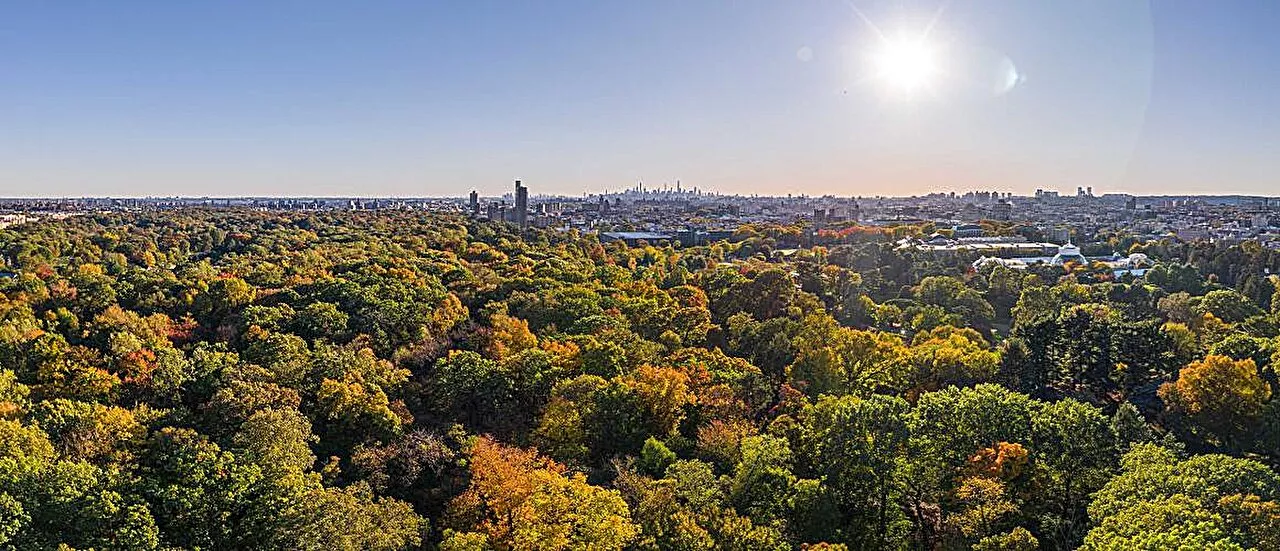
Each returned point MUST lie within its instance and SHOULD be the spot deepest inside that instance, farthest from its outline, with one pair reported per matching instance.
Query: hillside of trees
(223, 379)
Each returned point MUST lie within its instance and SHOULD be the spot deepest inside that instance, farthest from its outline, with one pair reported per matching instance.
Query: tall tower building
(474, 203)
(522, 206)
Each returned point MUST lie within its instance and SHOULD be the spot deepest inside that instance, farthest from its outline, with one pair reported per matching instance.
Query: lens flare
(906, 64)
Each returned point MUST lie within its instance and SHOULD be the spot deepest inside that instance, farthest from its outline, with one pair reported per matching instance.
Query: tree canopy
(235, 379)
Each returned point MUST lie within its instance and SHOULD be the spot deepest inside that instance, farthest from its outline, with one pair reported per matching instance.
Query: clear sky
(430, 98)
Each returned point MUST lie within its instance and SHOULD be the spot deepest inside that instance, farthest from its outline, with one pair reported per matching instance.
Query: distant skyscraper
(474, 203)
(522, 206)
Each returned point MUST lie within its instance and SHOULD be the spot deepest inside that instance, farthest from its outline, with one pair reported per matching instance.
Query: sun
(906, 64)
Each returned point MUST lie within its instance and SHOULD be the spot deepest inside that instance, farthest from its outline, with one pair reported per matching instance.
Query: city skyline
(403, 99)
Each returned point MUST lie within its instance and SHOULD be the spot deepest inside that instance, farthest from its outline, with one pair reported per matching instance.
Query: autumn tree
(1222, 395)
(519, 500)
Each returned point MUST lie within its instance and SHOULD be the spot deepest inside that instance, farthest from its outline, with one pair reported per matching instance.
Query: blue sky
(416, 98)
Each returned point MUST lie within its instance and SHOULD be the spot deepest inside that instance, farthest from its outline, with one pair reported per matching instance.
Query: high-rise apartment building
(522, 206)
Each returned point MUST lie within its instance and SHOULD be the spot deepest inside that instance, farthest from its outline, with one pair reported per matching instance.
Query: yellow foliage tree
(520, 501)
(510, 335)
(664, 392)
(1225, 396)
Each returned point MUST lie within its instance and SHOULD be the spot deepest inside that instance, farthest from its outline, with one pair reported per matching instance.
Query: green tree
(655, 457)
(1227, 305)
(1158, 502)
(277, 440)
(952, 295)
(1074, 452)
(352, 519)
(854, 446)
(762, 479)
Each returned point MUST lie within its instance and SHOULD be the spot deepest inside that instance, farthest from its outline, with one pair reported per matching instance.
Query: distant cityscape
(693, 216)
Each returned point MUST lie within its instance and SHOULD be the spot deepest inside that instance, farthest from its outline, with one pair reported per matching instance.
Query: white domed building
(1135, 264)
(1138, 260)
(985, 262)
(1068, 253)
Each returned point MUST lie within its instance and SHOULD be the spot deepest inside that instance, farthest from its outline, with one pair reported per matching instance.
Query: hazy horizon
(1064, 194)
(411, 99)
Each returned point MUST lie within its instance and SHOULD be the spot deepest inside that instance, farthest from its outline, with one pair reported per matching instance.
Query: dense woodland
(209, 380)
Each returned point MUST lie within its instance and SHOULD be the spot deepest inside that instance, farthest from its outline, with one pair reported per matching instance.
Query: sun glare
(906, 64)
